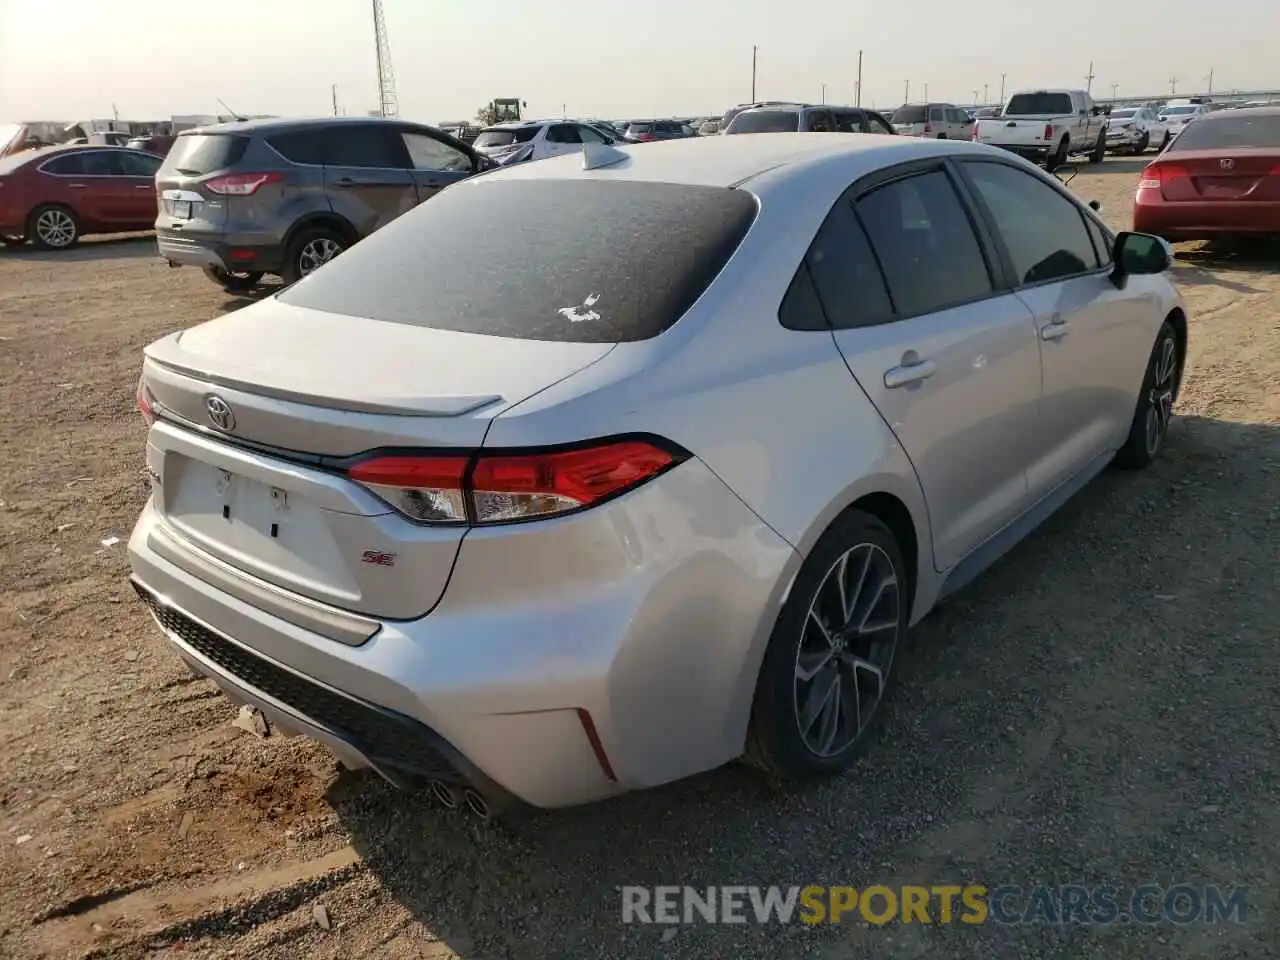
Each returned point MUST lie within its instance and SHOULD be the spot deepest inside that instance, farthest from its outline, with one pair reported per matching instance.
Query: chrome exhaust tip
(477, 804)
(445, 795)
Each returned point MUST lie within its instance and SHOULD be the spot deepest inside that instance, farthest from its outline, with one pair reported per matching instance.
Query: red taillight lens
(422, 488)
(145, 402)
(241, 184)
(1048, 131)
(500, 488)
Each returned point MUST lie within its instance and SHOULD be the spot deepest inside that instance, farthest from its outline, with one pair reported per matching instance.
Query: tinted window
(1030, 104)
(845, 275)
(847, 121)
(299, 146)
(925, 243)
(766, 121)
(578, 260)
(820, 121)
(505, 138)
(936, 113)
(636, 129)
(801, 309)
(197, 154)
(1124, 114)
(1228, 132)
(428, 153)
(563, 133)
(590, 135)
(1180, 111)
(137, 164)
(69, 164)
(878, 124)
(908, 114)
(1044, 231)
(363, 147)
(100, 163)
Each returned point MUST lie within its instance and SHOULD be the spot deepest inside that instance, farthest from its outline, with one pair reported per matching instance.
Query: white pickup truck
(1048, 126)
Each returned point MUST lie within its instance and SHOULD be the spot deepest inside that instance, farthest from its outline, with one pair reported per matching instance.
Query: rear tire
(1144, 143)
(942, 136)
(53, 227)
(233, 281)
(838, 634)
(1154, 411)
(1059, 158)
(1099, 152)
(310, 249)
(1165, 142)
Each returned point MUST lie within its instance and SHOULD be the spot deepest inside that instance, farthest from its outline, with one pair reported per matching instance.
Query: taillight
(241, 184)
(1160, 174)
(1048, 131)
(146, 402)
(501, 488)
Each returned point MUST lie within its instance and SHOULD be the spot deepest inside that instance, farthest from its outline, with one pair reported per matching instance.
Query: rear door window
(878, 124)
(428, 153)
(909, 114)
(563, 133)
(375, 146)
(299, 146)
(132, 164)
(766, 121)
(198, 154)
(544, 262)
(840, 274)
(67, 165)
(848, 121)
(925, 243)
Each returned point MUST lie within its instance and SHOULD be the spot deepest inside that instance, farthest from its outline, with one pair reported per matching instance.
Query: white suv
(945, 121)
(508, 143)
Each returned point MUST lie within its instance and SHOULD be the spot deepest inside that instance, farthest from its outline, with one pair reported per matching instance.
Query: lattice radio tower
(388, 106)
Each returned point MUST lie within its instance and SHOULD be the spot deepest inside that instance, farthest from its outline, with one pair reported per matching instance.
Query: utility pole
(115, 112)
(857, 97)
(1002, 76)
(1114, 88)
(753, 73)
(334, 90)
(1173, 86)
(985, 95)
(1210, 79)
(975, 97)
(906, 92)
(1088, 79)
(926, 93)
(824, 93)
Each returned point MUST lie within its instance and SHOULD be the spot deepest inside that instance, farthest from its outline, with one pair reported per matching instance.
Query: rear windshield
(640, 128)
(1030, 104)
(1226, 132)
(1122, 114)
(587, 261)
(765, 121)
(910, 115)
(1179, 111)
(201, 153)
(505, 138)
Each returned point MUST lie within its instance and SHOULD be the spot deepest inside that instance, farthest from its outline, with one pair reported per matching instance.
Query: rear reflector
(502, 488)
(241, 184)
(146, 405)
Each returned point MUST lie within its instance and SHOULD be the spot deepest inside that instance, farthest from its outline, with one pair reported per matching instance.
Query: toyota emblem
(220, 413)
(1226, 163)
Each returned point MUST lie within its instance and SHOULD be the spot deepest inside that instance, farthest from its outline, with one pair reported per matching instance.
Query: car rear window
(1123, 114)
(588, 261)
(640, 128)
(1179, 111)
(1227, 132)
(505, 138)
(766, 121)
(1030, 104)
(201, 153)
(909, 115)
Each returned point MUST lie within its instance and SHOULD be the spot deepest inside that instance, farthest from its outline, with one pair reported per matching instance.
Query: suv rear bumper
(193, 251)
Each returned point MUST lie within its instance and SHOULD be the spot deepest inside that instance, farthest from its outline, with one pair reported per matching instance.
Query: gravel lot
(1100, 708)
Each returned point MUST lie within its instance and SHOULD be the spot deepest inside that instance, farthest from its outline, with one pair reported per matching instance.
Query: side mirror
(1139, 254)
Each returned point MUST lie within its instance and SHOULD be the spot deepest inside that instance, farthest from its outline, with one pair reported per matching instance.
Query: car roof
(730, 161)
(268, 125)
(1217, 116)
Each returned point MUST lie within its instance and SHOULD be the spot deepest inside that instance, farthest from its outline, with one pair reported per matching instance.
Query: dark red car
(56, 195)
(1219, 177)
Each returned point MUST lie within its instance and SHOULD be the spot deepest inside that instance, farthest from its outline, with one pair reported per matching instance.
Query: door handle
(144, 186)
(1055, 329)
(346, 182)
(908, 374)
(75, 186)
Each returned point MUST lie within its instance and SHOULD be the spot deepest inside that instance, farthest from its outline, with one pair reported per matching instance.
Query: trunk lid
(1220, 175)
(261, 487)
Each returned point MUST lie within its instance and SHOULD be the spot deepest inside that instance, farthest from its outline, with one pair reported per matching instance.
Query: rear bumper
(1130, 138)
(1191, 220)
(253, 253)
(648, 614)
(1029, 151)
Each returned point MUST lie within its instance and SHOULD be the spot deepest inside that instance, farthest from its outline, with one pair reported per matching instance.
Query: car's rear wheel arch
(895, 515)
(327, 221)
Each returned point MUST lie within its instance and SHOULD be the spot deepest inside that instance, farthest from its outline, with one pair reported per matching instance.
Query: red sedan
(1219, 177)
(56, 195)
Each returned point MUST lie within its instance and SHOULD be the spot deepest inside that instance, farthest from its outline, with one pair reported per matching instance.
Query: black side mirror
(1139, 254)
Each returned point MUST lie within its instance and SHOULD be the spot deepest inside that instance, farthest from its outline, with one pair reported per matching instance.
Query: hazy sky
(74, 59)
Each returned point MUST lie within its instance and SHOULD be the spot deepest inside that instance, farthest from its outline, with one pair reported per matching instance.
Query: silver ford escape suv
(242, 200)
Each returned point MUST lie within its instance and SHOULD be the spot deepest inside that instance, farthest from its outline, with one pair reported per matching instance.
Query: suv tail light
(145, 401)
(495, 487)
(241, 184)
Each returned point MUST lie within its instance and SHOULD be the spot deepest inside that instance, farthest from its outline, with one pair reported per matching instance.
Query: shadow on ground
(1237, 253)
(1088, 712)
(127, 247)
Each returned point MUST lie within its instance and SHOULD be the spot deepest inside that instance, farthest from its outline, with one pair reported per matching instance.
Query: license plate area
(266, 530)
(180, 209)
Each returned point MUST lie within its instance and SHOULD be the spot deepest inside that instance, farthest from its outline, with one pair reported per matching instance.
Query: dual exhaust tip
(451, 797)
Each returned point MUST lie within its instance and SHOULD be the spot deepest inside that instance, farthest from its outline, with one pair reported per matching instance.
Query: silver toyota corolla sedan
(595, 473)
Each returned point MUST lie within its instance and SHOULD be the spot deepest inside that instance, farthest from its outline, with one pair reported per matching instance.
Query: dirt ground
(1100, 708)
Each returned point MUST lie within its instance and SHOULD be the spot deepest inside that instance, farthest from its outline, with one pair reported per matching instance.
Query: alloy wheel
(1164, 372)
(55, 228)
(316, 253)
(847, 645)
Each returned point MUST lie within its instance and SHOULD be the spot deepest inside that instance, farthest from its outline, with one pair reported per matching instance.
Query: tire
(1059, 158)
(1165, 142)
(234, 281)
(942, 136)
(779, 741)
(1099, 151)
(311, 247)
(1154, 411)
(1144, 143)
(52, 226)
